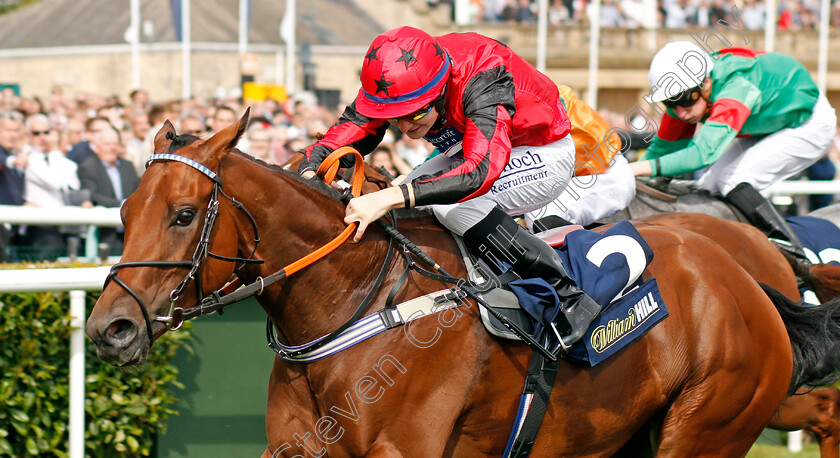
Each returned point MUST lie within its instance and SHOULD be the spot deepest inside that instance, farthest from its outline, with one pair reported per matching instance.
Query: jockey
(505, 139)
(764, 119)
(603, 182)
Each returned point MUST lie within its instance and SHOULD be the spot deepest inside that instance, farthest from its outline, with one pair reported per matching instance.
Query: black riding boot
(763, 215)
(499, 236)
(549, 222)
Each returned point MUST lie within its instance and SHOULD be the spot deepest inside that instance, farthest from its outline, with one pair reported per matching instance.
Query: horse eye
(184, 217)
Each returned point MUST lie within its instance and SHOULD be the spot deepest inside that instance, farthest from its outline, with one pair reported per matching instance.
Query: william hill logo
(605, 336)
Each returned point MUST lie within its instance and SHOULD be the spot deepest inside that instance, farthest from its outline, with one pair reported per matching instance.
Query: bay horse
(816, 410)
(443, 386)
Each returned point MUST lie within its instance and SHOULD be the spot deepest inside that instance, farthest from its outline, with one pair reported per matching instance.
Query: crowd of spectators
(88, 150)
(674, 14)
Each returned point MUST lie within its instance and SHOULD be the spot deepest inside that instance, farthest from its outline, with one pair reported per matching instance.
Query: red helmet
(404, 70)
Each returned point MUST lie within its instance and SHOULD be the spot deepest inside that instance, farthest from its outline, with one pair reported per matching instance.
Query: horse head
(172, 256)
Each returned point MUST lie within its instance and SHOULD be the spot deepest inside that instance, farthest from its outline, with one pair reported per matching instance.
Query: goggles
(413, 117)
(684, 99)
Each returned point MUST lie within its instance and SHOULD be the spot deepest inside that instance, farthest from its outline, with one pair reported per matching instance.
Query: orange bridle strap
(231, 292)
(328, 170)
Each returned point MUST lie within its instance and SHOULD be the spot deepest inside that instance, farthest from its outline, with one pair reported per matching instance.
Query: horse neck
(294, 219)
(644, 205)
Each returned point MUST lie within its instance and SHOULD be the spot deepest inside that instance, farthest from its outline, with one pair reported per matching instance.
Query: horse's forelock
(181, 141)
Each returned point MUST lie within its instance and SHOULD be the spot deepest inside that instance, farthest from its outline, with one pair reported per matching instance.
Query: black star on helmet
(407, 57)
(372, 54)
(382, 85)
(439, 51)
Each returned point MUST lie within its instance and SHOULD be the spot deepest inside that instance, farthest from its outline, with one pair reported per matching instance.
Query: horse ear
(164, 136)
(228, 137)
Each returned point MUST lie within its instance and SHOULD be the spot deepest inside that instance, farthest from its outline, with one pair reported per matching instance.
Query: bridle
(214, 301)
(177, 314)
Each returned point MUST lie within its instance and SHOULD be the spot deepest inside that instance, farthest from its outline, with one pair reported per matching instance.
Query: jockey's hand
(370, 207)
(641, 168)
(310, 174)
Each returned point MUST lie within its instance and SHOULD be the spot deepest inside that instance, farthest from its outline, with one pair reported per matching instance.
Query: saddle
(501, 299)
(631, 306)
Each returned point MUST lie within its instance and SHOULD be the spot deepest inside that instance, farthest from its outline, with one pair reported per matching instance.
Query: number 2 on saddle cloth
(608, 267)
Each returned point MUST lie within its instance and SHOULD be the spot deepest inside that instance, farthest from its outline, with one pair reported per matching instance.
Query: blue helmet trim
(415, 93)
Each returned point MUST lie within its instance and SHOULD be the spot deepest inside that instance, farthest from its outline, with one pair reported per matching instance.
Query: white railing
(33, 216)
(805, 187)
(64, 216)
(77, 281)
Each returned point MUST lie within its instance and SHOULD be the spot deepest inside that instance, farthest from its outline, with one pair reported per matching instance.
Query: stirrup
(791, 249)
(562, 349)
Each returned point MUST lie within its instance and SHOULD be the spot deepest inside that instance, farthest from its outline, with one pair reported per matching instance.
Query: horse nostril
(120, 330)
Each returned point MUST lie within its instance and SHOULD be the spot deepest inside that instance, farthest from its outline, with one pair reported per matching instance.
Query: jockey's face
(416, 129)
(692, 114)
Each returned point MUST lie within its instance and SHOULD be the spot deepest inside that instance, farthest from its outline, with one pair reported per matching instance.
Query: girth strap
(532, 406)
(363, 329)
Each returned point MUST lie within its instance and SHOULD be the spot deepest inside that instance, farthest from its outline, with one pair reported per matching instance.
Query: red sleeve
(484, 159)
(489, 106)
(730, 112)
(352, 129)
(673, 129)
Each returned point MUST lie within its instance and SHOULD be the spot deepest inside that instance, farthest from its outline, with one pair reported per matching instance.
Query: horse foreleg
(827, 428)
(817, 411)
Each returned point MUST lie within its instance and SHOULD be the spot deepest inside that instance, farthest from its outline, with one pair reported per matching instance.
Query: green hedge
(124, 408)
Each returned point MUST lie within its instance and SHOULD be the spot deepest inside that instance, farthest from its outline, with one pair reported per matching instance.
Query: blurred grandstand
(81, 44)
(73, 59)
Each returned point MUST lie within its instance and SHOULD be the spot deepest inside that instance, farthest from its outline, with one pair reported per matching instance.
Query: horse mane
(327, 190)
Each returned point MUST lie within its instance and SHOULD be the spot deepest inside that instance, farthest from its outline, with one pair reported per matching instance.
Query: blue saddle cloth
(820, 237)
(605, 266)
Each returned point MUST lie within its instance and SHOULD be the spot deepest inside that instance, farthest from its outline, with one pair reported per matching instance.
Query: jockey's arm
(352, 129)
(704, 149)
(489, 107)
(370, 207)
(486, 147)
(641, 168)
(730, 110)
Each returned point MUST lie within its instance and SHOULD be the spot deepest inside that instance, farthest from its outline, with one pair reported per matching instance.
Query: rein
(217, 300)
(462, 289)
(653, 192)
(174, 320)
(232, 292)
